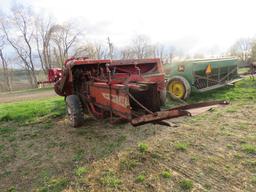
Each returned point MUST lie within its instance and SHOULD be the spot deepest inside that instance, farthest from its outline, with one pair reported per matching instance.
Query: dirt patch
(204, 152)
(214, 151)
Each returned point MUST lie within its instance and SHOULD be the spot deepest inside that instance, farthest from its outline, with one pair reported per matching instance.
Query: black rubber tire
(162, 97)
(185, 84)
(75, 110)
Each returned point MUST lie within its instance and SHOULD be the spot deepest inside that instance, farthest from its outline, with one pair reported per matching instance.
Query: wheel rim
(176, 88)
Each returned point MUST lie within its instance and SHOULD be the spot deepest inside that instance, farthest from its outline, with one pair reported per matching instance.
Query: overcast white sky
(195, 25)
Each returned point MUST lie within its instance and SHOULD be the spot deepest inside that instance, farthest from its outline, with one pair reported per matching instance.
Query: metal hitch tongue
(185, 110)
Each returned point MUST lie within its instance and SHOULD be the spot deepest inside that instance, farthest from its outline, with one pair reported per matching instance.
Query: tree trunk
(6, 74)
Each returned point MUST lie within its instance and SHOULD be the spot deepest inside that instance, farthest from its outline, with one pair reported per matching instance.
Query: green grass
(248, 148)
(7, 130)
(128, 164)
(186, 184)
(81, 171)
(253, 180)
(143, 147)
(243, 70)
(180, 146)
(109, 179)
(32, 111)
(166, 174)
(79, 155)
(242, 90)
(140, 178)
(115, 144)
(250, 163)
(11, 189)
(93, 143)
(1, 148)
(54, 185)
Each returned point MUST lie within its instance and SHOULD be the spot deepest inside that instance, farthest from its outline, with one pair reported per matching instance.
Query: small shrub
(81, 171)
(186, 184)
(250, 149)
(109, 179)
(143, 147)
(140, 178)
(181, 146)
(166, 174)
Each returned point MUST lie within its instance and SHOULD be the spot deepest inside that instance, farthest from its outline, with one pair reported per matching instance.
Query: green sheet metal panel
(195, 72)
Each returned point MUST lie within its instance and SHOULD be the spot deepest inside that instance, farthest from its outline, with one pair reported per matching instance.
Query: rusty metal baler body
(126, 89)
(121, 88)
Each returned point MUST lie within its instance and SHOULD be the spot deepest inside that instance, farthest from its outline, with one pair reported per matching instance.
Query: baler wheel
(162, 97)
(178, 88)
(74, 110)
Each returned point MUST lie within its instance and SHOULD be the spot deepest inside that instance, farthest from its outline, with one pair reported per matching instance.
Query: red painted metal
(54, 74)
(127, 89)
(158, 116)
(186, 110)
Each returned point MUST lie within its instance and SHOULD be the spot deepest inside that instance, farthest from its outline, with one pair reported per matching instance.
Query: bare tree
(162, 52)
(141, 46)
(92, 51)
(110, 49)
(242, 49)
(87, 50)
(43, 35)
(127, 53)
(18, 32)
(64, 37)
(253, 52)
(101, 51)
(7, 84)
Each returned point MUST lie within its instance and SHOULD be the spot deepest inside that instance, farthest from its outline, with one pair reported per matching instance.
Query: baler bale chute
(200, 76)
(131, 90)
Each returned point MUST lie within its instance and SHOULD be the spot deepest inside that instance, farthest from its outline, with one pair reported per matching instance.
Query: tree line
(36, 42)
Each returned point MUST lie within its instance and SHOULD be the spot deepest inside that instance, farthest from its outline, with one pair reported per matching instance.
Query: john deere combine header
(199, 76)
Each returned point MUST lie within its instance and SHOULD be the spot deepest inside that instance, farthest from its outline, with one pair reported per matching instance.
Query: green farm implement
(199, 76)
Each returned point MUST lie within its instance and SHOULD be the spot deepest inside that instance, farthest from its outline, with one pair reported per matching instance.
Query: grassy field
(215, 151)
